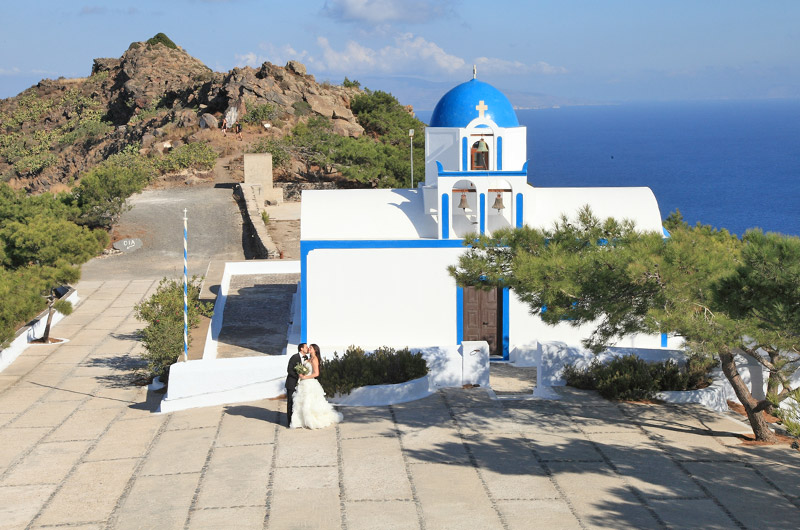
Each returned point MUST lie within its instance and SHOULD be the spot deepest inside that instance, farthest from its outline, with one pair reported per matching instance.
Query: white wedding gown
(310, 409)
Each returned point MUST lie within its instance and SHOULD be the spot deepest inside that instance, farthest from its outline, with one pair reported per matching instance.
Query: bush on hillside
(195, 155)
(277, 147)
(260, 113)
(160, 38)
(384, 366)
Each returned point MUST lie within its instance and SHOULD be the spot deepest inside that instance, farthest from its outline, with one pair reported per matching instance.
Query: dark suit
(291, 384)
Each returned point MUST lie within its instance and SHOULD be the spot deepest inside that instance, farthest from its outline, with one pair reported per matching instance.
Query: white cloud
(10, 71)
(496, 66)
(408, 55)
(383, 11)
(278, 55)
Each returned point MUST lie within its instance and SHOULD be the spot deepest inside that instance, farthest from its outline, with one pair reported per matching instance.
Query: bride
(310, 408)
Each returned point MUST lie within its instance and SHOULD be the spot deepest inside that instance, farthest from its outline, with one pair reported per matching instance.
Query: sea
(728, 164)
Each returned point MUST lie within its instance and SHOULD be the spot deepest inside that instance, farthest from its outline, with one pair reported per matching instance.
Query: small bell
(482, 147)
(498, 202)
(463, 204)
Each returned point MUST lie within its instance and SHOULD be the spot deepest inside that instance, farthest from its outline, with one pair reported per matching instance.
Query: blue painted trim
(459, 315)
(464, 156)
(444, 221)
(309, 245)
(482, 211)
(519, 210)
(666, 232)
(499, 153)
(305, 248)
(442, 173)
(506, 325)
(663, 340)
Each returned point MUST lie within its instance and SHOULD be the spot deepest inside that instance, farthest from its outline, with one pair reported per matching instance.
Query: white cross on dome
(481, 108)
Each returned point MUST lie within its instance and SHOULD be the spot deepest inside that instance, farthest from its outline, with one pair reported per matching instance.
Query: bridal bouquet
(301, 369)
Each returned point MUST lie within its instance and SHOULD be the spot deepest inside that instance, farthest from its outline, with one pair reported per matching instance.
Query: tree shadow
(617, 465)
(128, 370)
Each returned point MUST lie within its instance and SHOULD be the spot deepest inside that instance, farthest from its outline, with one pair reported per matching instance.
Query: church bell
(498, 202)
(482, 147)
(463, 204)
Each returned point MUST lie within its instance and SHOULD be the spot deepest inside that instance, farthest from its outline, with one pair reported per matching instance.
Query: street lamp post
(411, 141)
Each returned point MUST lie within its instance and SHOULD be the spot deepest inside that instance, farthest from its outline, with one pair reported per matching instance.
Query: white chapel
(374, 261)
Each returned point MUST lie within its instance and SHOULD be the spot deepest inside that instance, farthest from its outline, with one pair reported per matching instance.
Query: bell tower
(475, 162)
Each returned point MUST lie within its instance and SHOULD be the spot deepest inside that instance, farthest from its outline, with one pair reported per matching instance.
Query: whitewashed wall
(525, 328)
(515, 148)
(375, 297)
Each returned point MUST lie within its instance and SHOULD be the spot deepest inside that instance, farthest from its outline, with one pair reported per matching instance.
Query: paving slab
(239, 517)
(236, 476)
(169, 455)
(524, 514)
(386, 515)
(89, 493)
(361, 457)
(452, 496)
(21, 504)
(157, 502)
(47, 463)
(248, 425)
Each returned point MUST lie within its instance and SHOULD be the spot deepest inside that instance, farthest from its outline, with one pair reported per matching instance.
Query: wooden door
(481, 317)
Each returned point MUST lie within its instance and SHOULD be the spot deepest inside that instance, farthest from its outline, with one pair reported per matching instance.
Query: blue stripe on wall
(459, 315)
(519, 211)
(464, 155)
(663, 340)
(482, 211)
(506, 325)
(499, 153)
(444, 222)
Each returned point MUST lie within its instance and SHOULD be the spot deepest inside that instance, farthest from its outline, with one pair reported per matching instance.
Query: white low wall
(551, 358)
(32, 332)
(207, 382)
(233, 268)
(382, 395)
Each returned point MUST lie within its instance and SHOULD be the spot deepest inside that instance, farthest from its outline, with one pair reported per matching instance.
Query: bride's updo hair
(319, 356)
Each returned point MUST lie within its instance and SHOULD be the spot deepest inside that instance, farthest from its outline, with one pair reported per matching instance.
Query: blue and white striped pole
(185, 291)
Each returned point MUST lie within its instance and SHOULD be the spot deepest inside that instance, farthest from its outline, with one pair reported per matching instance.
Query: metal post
(185, 290)
(411, 141)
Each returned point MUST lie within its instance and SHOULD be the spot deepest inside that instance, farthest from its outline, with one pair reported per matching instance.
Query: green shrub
(265, 217)
(163, 312)
(278, 148)
(195, 155)
(301, 108)
(631, 378)
(350, 84)
(160, 38)
(259, 114)
(355, 368)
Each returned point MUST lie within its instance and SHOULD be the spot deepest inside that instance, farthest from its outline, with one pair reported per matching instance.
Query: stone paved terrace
(79, 448)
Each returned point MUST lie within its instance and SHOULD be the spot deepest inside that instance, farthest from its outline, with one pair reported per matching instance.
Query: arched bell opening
(500, 206)
(479, 155)
(466, 208)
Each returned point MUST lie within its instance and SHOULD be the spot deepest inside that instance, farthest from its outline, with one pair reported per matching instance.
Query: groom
(291, 378)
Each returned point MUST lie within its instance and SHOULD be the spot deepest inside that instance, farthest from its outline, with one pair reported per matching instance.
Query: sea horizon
(732, 164)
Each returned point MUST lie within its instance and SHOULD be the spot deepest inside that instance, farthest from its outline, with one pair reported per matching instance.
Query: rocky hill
(154, 95)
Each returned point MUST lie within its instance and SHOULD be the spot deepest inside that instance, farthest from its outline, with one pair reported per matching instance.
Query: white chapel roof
(374, 214)
(543, 206)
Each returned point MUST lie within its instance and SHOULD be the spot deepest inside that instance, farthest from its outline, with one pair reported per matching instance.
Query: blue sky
(568, 51)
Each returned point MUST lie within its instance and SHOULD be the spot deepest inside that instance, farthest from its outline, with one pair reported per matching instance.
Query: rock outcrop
(154, 94)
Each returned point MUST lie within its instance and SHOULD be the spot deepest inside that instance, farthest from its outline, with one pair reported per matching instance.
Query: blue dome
(457, 107)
